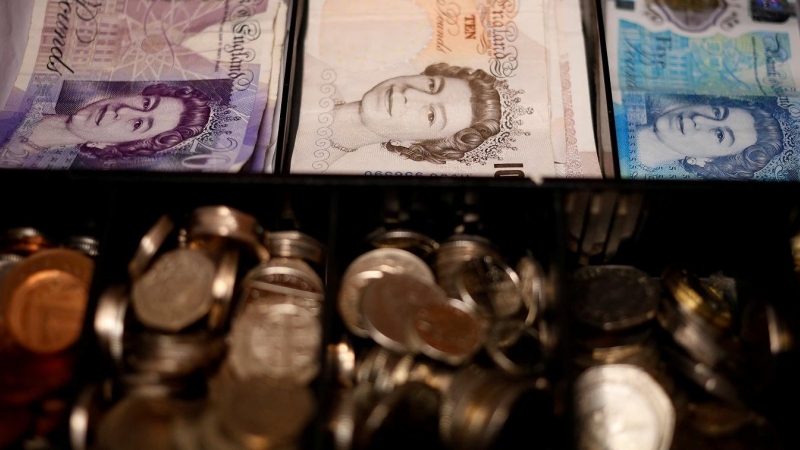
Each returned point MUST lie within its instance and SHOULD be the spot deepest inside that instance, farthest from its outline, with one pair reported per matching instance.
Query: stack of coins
(44, 291)
(204, 358)
(670, 348)
(454, 357)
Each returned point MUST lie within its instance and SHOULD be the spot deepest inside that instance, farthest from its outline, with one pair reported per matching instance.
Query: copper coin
(44, 299)
(389, 304)
(24, 241)
(450, 332)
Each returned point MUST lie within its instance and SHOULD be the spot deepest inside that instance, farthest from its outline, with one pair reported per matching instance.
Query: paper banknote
(264, 156)
(140, 84)
(430, 88)
(704, 89)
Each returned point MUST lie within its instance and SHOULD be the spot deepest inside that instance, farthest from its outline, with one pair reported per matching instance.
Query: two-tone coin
(176, 291)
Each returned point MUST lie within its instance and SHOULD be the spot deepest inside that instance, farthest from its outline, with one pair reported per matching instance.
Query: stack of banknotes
(705, 88)
(445, 88)
(391, 87)
(162, 85)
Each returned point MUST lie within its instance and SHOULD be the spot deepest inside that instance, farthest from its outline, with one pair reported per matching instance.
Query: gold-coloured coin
(694, 296)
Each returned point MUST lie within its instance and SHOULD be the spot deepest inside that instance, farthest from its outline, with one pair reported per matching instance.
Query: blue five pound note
(699, 136)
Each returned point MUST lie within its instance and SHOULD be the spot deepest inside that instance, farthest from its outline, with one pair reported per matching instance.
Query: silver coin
(268, 412)
(621, 407)
(176, 291)
(109, 322)
(7, 262)
(342, 358)
(368, 267)
(171, 355)
(412, 405)
(288, 278)
(532, 284)
(456, 399)
(409, 240)
(715, 383)
(295, 244)
(138, 422)
(489, 286)
(390, 260)
(222, 289)
(228, 223)
(613, 298)
(691, 332)
(456, 251)
(349, 303)
(149, 245)
(277, 340)
(85, 413)
(287, 272)
(389, 305)
(87, 245)
(210, 435)
(515, 348)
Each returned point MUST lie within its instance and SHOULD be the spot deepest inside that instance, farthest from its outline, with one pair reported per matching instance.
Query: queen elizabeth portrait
(116, 126)
(712, 137)
(436, 116)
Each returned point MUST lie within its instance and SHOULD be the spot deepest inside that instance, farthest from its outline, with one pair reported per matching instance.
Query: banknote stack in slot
(44, 294)
(213, 343)
(445, 88)
(190, 85)
(704, 88)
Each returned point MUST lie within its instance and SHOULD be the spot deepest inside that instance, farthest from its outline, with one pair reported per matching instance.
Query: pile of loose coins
(44, 291)
(462, 346)
(208, 355)
(681, 351)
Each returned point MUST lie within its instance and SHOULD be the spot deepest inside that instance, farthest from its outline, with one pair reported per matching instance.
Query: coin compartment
(742, 231)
